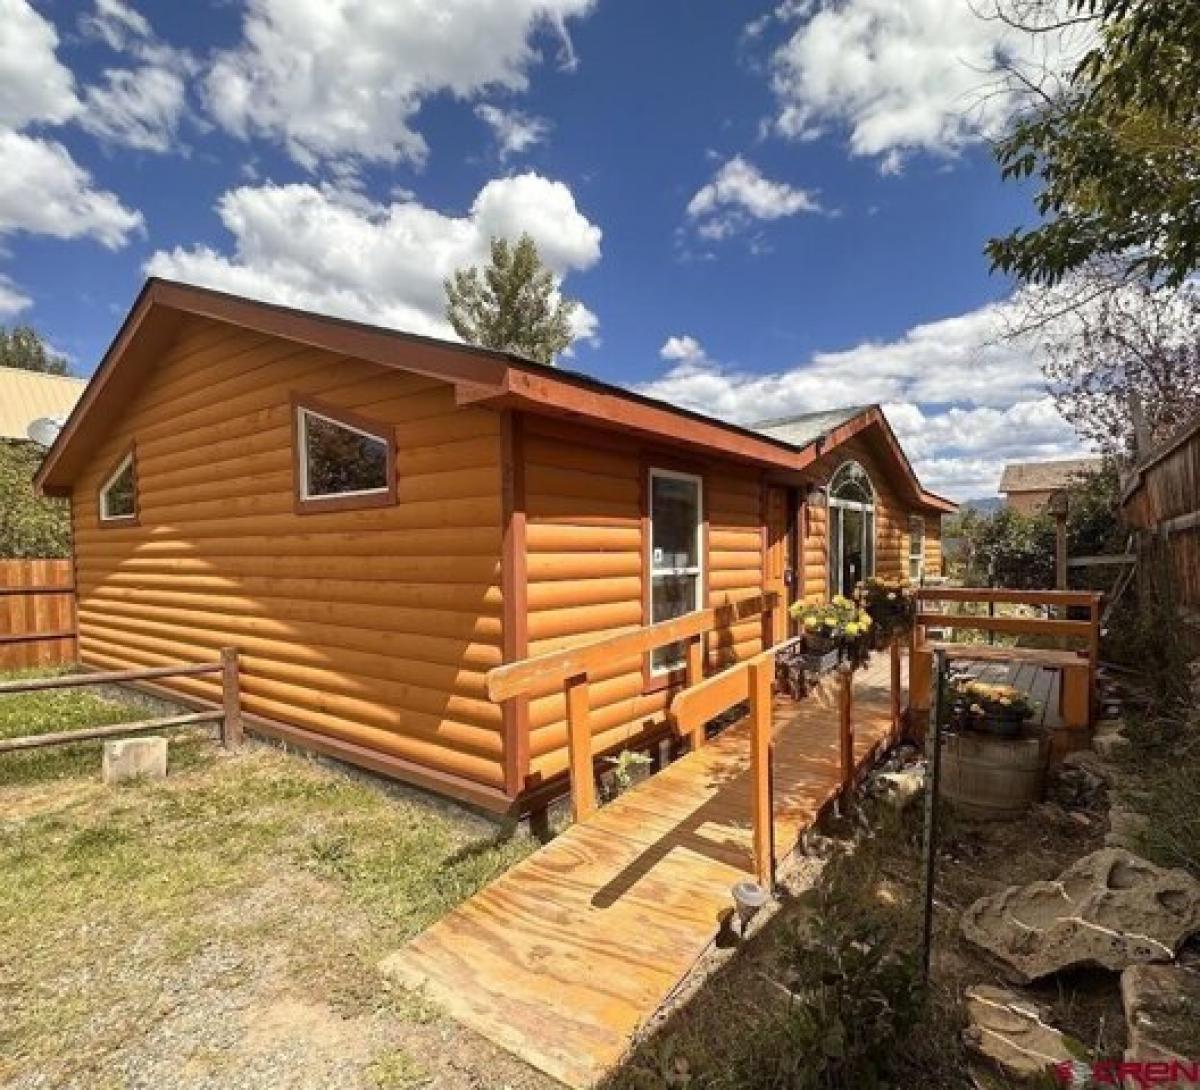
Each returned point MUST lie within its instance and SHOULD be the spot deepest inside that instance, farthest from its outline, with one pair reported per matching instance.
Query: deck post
(896, 701)
(846, 726)
(761, 675)
(695, 675)
(231, 699)
(579, 747)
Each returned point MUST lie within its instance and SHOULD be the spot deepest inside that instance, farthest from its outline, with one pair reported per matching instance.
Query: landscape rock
(1090, 762)
(1110, 746)
(1110, 909)
(901, 789)
(1162, 1009)
(1013, 1034)
(1125, 828)
(134, 759)
(1080, 780)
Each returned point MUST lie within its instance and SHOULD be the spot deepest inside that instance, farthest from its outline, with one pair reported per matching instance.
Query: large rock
(1125, 828)
(1110, 909)
(1162, 1009)
(1013, 1034)
(134, 759)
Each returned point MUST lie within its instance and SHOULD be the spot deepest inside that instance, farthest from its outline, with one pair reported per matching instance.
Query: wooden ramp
(563, 957)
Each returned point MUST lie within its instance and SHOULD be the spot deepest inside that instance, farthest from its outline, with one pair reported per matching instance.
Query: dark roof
(1044, 476)
(808, 427)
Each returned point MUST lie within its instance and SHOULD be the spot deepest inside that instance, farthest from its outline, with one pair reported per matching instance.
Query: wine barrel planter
(993, 778)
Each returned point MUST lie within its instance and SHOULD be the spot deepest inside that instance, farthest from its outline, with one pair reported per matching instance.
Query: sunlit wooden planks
(562, 958)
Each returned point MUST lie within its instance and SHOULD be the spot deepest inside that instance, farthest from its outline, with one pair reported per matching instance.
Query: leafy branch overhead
(1116, 149)
(513, 304)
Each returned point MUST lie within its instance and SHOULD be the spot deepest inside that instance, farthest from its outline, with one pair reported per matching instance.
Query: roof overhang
(480, 376)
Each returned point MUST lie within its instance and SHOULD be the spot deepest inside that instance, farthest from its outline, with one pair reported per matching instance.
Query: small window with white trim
(118, 494)
(916, 548)
(676, 562)
(344, 460)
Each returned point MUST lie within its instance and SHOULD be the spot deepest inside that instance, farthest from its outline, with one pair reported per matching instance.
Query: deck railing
(572, 669)
(1079, 666)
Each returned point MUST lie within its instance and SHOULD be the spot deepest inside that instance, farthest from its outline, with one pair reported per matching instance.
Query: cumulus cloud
(12, 299)
(34, 85)
(44, 191)
(739, 194)
(514, 131)
(962, 400)
(347, 78)
(905, 75)
(337, 252)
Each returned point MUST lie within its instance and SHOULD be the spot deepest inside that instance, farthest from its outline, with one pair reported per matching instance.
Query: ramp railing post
(579, 747)
(896, 699)
(761, 675)
(846, 726)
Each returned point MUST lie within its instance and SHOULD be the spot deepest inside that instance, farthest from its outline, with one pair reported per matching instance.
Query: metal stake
(933, 762)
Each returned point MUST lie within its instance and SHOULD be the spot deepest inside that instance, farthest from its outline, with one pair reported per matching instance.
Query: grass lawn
(223, 928)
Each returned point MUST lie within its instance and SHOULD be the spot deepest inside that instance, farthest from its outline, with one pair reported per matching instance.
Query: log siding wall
(372, 627)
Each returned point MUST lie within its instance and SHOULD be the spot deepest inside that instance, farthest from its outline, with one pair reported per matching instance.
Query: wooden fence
(37, 613)
(1162, 496)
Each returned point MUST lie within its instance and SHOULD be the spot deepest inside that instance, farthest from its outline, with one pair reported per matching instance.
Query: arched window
(851, 528)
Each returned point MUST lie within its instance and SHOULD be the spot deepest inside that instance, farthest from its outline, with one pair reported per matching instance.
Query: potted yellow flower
(830, 629)
(998, 709)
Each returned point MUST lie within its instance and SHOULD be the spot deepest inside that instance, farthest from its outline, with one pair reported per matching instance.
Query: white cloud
(12, 299)
(337, 252)
(336, 78)
(903, 75)
(34, 84)
(514, 131)
(116, 23)
(44, 191)
(739, 194)
(962, 400)
(136, 107)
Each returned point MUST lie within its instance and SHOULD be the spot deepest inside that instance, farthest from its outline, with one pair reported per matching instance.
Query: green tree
(29, 525)
(23, 347)
(513, 304)
(1116, 147)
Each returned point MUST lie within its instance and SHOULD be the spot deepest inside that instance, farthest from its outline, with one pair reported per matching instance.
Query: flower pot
(815, 644)
(1000, 724)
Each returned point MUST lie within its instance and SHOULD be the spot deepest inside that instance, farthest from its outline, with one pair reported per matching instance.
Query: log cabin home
(376, 519)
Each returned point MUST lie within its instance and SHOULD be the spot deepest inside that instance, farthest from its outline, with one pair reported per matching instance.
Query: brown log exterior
(517, 527)
(37, 613)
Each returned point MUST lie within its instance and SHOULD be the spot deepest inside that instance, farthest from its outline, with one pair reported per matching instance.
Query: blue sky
(762, 208)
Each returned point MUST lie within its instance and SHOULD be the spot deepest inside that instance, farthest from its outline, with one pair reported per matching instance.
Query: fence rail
(228, 714)
(37, 613)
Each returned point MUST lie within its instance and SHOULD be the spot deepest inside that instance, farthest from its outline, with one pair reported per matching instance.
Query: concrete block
(134, 759)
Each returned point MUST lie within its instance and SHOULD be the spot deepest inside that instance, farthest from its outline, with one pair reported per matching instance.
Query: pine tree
(513, 304)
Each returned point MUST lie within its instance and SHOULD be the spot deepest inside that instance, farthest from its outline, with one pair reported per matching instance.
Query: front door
(780, 555)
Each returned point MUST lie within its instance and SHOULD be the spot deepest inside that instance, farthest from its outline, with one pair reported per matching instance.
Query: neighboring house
(377, 519)
(1028, 485)
(26, 396)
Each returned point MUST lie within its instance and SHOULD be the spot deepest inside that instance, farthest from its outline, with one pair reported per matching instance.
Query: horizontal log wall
(36, 629)
(584, 496)
(372, 627)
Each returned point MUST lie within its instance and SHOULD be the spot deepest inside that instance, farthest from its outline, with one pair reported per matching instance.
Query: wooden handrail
(517, 678)
(1001, 596)
(1013, 626)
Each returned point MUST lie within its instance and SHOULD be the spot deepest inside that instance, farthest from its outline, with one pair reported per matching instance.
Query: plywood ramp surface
(563, 957)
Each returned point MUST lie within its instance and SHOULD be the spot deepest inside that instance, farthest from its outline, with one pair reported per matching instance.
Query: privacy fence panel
(37, 613)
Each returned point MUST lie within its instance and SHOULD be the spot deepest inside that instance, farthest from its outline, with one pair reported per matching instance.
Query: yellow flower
(851, 629)
(810, 622)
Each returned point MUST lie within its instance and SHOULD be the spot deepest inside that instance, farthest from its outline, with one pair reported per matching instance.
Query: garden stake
(933, 761)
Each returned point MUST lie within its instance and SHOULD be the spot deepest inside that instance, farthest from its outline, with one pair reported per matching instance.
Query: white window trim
(696, 569)
(833, 503)
(106, 487)
(302, 425)
(920, 555)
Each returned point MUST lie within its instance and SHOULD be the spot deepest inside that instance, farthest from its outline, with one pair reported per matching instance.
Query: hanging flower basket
(891, 604)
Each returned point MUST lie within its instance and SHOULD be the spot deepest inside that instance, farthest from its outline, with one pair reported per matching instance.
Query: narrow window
(342, 461)
(676, 506)
(118, 494)
(916, 548)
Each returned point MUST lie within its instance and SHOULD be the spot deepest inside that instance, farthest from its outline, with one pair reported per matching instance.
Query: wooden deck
(563, 957)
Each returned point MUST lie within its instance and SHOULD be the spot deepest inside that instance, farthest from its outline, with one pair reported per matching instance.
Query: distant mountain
(985, 505)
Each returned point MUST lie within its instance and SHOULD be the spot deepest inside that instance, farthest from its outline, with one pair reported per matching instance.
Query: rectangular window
(916, 548)
(676, 565)
(342, 461)
(118, 494)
